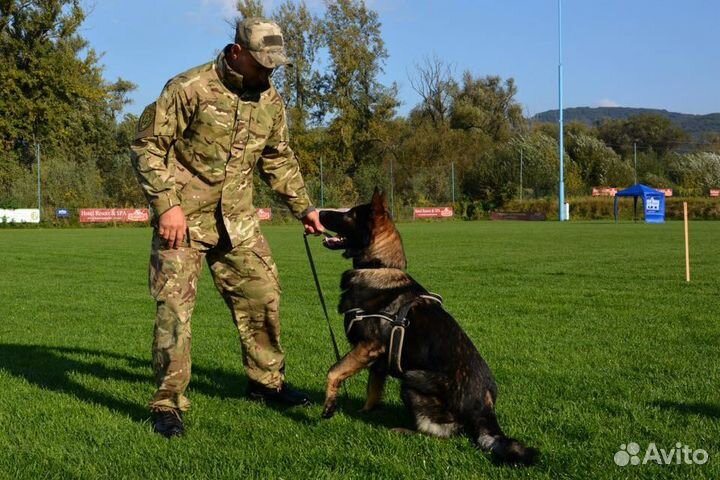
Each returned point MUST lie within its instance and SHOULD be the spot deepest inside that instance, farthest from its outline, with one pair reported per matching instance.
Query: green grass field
(594, 337)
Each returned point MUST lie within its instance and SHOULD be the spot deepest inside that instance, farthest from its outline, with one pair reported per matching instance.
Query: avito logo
(680, 455)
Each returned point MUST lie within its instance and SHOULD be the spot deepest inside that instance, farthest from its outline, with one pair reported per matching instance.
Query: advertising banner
(20, 215)
(433, 212)
(117, 215)
(604, 191)
(654, 208)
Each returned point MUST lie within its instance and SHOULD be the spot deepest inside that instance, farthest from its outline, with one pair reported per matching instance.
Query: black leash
(325, 311)
(322, 298)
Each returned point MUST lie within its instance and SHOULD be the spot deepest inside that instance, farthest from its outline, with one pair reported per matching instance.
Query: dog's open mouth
(335, 243)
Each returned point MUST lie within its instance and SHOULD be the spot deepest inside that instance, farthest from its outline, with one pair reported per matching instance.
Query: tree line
(465, 140)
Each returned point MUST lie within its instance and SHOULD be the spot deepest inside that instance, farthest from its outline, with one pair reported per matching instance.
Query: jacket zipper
(234, 130)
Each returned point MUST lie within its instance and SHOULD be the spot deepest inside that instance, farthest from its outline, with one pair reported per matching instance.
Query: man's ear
(235, 50)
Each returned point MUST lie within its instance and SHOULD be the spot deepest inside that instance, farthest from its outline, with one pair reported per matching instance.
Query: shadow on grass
(55, 369)
(695, 408)
(385, 415)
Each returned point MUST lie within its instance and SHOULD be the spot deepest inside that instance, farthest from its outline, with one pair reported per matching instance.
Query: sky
(631, 53)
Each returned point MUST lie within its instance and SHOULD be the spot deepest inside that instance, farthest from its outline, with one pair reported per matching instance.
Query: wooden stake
(687, 245)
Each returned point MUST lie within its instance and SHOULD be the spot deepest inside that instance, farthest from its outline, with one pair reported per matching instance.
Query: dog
(397, 328)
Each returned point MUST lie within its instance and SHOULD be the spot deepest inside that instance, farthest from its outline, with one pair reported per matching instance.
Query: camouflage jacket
(198, 145)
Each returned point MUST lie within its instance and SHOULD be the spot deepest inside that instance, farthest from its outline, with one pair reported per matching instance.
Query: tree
(250, 8)
(708, 142)
(487, 104)
(299, 84)
(52, 92)
(598, 164)
(435, 85)
(651, 132)
(696, 173)
(354, 99)
(541, 165)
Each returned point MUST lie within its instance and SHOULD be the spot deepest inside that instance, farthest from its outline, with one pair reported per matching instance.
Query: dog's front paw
(329, 409)
(367, 409)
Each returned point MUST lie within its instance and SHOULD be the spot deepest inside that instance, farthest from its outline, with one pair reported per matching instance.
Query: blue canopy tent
(653, 202)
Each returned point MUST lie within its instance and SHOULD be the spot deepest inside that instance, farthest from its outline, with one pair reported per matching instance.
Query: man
(195, 152)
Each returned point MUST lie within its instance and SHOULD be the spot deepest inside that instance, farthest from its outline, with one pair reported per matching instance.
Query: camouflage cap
(264, 40)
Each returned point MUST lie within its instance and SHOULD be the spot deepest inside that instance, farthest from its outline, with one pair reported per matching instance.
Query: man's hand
(172, 226)
(312, 224)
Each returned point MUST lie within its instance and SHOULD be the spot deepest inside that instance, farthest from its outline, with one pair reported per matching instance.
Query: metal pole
(452, 176)
(521, 169)
(322, 187)
(687, 244)
(39, 187)
(635, 157)
(392, 189)
(560, 108)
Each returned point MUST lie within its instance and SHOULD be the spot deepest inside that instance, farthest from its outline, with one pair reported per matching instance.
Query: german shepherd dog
(445, 383)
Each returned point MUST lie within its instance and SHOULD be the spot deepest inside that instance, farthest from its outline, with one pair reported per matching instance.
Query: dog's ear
(379, 202)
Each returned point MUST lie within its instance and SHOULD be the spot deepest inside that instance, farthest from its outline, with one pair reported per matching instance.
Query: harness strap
(397, 338)
(398, 321)
(433, 297)
(359, 314)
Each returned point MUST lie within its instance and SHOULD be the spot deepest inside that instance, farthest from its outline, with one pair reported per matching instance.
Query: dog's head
(367, 234)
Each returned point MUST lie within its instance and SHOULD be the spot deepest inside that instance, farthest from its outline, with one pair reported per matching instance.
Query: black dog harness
(398, 321)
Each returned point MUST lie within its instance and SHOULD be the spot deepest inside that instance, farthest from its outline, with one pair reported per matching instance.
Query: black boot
(286, 396)
(168, 423)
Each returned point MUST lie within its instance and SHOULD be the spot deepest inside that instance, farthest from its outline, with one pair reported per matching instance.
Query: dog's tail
(489, 437)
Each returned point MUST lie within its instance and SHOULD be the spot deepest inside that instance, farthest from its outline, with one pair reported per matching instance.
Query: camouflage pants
(247, 280)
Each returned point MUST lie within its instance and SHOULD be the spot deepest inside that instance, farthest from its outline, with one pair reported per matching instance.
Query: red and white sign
(433, 212)
(666, 191)
(715, 192)
(264, 213)
(120, 215)
(604, 191)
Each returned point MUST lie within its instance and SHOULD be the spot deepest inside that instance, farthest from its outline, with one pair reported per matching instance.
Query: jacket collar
(229, 77)
(233, 81)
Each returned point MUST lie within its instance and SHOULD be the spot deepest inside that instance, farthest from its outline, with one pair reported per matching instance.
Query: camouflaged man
(195, 153)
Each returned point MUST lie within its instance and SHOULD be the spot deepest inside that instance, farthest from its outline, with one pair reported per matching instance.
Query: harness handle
(398, 321)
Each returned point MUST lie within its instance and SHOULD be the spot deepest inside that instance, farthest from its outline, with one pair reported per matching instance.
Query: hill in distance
(694, 125)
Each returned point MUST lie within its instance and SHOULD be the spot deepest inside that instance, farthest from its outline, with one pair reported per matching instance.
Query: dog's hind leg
(375, 388)
(356, 360)
(425, 399)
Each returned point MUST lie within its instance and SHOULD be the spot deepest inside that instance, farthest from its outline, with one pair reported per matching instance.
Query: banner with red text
(433, 212)
(117, 215)
(604, 191)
